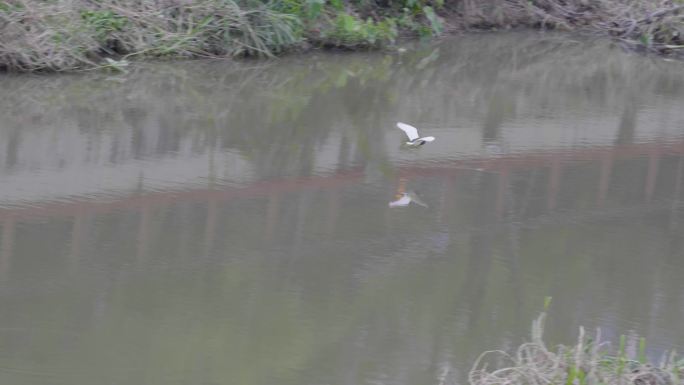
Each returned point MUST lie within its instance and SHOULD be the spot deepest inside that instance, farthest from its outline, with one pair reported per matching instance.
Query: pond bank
(590, 361)
(75, 35)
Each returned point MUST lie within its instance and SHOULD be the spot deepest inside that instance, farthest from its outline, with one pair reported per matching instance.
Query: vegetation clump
(589, 362)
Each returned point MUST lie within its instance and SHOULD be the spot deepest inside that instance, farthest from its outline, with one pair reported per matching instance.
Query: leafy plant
(7, 7)
(435, 21)
(349, 30)
(314, 8)
(104, 22)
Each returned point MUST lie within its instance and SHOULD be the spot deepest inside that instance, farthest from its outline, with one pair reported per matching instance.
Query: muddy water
(221, 223)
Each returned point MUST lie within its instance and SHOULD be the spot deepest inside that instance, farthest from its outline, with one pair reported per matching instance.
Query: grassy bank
(590, 361)
(75, 34)
(655, 26)
(60, 35)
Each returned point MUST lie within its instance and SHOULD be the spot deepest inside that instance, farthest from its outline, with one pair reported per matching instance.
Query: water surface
(210, 222)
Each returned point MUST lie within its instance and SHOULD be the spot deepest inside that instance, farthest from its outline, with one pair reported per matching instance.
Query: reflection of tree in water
(353, 307)
(280, 114)
(628, 120)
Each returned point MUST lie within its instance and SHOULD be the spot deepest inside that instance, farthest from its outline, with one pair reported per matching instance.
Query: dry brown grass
(586, 363)
(75, 34)
(652, 25)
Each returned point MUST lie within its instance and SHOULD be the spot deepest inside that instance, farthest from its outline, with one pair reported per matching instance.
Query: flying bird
(412, 133)
(406, 198)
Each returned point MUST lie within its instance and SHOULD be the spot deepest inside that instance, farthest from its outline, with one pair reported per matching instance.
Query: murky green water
(218, 223)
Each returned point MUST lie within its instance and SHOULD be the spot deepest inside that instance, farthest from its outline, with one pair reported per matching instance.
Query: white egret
(406, 198)
(412, 133)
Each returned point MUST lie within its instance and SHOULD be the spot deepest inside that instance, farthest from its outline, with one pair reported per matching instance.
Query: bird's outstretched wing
(403, 201)
(415, 199)
(410, 131)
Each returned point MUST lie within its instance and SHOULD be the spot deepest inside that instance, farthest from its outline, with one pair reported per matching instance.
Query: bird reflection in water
(404, 197)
